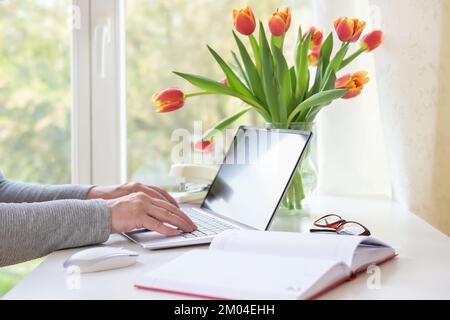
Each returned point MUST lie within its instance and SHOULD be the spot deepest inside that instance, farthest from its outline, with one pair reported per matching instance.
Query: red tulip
(354, 83)
(316, 38)
(372, 40)
(349, 29)
(169, 100)
(224, 81)
(280, 22)
(313, 57)
(244, 21)
(204, 146)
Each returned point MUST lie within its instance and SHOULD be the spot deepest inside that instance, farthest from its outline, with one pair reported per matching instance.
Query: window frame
(98, 108)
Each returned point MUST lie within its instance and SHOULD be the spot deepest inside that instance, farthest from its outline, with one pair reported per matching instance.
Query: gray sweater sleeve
(17, 192)
(37, 220)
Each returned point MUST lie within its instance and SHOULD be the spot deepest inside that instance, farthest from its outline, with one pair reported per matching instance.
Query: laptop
(247, 190)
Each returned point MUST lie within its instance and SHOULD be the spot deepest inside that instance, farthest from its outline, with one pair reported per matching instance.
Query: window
(35, 91)
(172, 35)
(35, 99)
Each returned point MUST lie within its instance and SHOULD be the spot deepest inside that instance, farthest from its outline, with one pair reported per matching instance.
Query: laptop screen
(254, 175)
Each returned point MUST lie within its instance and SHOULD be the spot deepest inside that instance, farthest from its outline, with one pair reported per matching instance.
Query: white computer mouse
(100, 259)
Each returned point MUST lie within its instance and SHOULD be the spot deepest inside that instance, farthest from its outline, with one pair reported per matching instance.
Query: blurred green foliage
(35, 99)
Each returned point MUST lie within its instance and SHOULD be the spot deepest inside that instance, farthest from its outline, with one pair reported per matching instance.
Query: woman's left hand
(113, 192)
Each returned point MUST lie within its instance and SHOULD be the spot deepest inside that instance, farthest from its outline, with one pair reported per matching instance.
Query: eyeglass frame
(335, 226)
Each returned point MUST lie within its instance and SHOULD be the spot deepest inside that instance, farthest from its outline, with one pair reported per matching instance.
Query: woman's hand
(139, 210)
(135, 205)
(113, 192)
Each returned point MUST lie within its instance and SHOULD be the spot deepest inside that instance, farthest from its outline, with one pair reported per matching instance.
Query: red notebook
(267, 265)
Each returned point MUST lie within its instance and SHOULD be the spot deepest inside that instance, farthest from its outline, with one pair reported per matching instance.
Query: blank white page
(231, 275)
(304, 245)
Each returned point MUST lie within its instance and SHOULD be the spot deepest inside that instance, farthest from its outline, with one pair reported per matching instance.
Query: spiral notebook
(267, 265)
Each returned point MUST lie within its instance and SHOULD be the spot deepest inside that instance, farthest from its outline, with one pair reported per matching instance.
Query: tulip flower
(244, 21)
(279, 22)
(168, 100)
(224, 81)
(354, 83)
(204, 146)
(349, 30)
(372, 40)
(313, 57)
(316, 38)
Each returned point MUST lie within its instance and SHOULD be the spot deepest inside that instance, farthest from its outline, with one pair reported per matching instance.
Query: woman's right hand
(139, 210)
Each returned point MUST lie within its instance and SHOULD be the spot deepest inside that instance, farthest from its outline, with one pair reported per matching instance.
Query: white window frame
(98, 86)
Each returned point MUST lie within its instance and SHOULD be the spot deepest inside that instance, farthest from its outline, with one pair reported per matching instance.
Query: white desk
(421, 271)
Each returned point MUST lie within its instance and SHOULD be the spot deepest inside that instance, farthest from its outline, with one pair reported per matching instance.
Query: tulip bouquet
(282, 94)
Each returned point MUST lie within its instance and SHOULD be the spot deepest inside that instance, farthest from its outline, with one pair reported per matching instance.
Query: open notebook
(267, 265)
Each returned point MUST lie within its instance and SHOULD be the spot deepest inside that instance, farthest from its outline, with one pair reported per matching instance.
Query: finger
(174, 210)
(152, 193)
(154, 225)
(165, 216)
(166, 195)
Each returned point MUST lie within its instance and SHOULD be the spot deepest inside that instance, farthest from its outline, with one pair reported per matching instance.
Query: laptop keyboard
(206, 225)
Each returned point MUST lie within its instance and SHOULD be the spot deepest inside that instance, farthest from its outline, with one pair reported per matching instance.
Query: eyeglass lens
(328, 220)
(351, 228)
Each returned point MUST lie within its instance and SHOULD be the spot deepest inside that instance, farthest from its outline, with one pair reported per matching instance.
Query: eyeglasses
(334, 223)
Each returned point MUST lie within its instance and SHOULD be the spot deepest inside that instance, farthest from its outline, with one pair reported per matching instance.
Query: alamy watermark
(374, 280)
(72, 277)
(251, 147)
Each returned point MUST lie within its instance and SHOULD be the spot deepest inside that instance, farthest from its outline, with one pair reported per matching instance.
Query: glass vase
(304, 183)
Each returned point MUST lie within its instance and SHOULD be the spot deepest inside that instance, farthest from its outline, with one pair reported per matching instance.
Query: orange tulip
(349, 29)
(169, 100)
(372, 40)
(204, 146)
(354, 83)
(244, 21)
(313, 57)
(280, 22)
(316, 38)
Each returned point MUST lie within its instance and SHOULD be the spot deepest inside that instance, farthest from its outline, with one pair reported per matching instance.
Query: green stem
(352, 57)
(334, 65)
(299, 192)
(200, 93)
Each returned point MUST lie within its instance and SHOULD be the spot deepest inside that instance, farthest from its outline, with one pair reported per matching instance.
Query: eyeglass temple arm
(323, 230)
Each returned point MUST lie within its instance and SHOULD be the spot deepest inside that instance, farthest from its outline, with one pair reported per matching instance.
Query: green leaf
(268, 76)
(284, 82)
(239, 68)
(298, 48)
(331, 81)
(233, 79)
(317, 99)
(325, 52)
(318, 79)
(293, 78)
(334, 65)
(312, 113)
(252, 72)
(213, 86)
(302, 71)
(256, 53)
(207, 84)
(324, 60)
(225, 123)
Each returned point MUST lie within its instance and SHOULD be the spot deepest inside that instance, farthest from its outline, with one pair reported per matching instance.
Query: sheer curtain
(403, 116)
(351, 149)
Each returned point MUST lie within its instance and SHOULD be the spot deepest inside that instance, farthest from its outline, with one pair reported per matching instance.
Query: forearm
(17, 192)
(29, 231)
